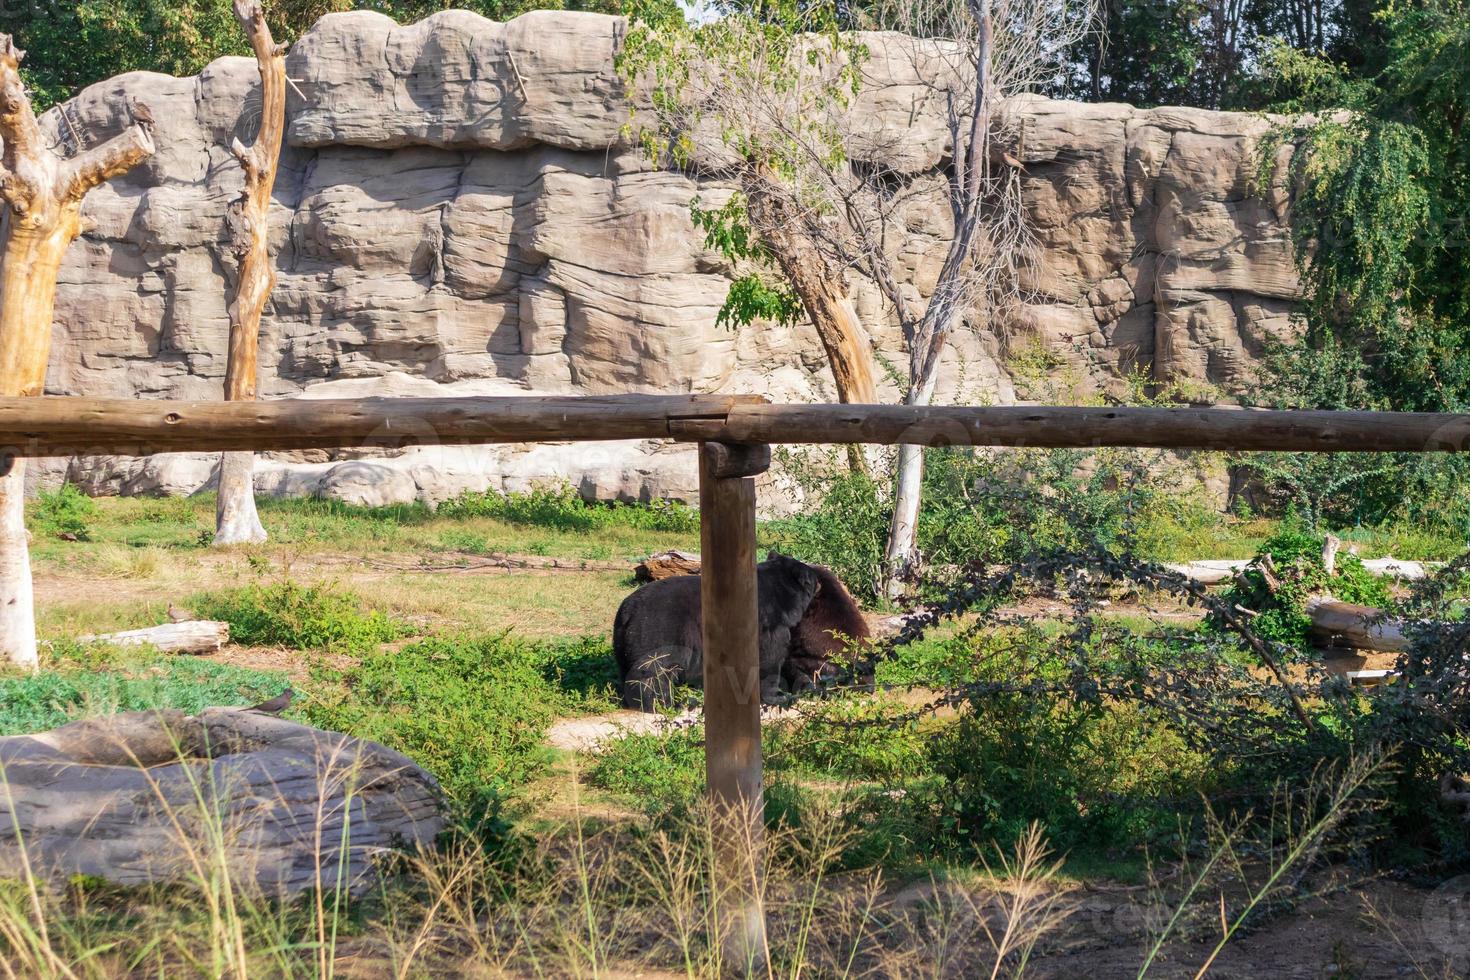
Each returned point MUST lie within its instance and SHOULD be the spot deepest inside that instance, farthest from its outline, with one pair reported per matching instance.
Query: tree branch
(106, 160)
(259, 158)
(18, 127)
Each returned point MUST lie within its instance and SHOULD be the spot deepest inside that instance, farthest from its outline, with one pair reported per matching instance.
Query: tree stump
(155, 796)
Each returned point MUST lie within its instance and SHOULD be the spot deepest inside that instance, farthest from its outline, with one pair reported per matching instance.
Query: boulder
(147, 796)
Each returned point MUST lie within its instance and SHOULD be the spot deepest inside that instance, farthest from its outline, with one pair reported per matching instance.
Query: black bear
(832, 624)
(657, 640)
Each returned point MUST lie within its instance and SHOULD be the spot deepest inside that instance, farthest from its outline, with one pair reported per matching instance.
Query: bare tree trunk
(43, 215)
(818, 286)
(908, 490)
(17, 605)
(928, 339)
(236, 520)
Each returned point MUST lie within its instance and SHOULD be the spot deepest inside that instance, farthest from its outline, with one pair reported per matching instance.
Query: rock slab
(154, 796)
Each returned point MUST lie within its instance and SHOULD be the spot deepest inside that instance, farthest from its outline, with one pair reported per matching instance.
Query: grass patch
(563, 509)
(302, 617)
(473, 710)
(84, 681)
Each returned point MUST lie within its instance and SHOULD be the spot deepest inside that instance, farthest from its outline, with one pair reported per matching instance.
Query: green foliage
(660, 772)
(66, 690)
(851, 737)
(1296, 566)
(564, 509)
(845, 529)
(471, 710)
(64, 511)
(1096, 776)
(303, 617)
(978, 508)
(1380, 233)
(754, 295)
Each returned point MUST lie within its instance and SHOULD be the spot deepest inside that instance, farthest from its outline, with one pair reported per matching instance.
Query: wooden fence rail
(65, 426)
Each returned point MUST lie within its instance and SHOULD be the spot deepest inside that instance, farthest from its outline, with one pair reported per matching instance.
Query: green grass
(79, 682)
(473, 710)
(541, 523)
(302, 617)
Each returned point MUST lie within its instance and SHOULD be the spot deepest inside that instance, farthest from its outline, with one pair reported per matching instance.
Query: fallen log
(189, 636)
(666, 564)
(1209, 572)
(1347, 624)
(1215, 571)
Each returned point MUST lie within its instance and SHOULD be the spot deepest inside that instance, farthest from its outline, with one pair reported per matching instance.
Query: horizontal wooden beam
(1068, 427)
(69, 426)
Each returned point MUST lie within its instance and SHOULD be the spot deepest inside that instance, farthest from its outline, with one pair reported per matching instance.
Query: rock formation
(460, 210)
(158, 795)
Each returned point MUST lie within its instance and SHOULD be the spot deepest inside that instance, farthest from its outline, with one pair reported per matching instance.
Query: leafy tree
(1379, 221)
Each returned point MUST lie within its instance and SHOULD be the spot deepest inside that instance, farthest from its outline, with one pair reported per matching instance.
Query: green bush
(983, 506)
(1096, 776)
(303, 617)
(65, 510)
(1296, 556)
(564, 509)
(472, 710)
(854, 737)
(657, 771)
(584, 671)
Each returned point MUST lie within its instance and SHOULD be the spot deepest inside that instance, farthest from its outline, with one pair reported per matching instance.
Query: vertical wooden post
(732, 691)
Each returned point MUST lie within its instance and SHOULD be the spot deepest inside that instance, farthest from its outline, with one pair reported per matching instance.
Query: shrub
(64, 511)
(658, 771)
(1096, 776)
(471, 710)
(303, 617)
(584, 671)
(1296, 555)
(564, 509)
(855, 737)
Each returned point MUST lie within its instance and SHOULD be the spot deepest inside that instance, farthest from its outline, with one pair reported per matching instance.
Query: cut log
(666, 564)
(1209, 572)
(1216, 571)
(1346, 624)
(1409, 571)
(154, 796)
(189, 636)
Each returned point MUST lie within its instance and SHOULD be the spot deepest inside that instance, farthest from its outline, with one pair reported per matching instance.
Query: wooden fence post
(732, 691)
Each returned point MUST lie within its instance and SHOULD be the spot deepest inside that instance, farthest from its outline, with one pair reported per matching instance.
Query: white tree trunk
(907, 490)
(17, 607)
(236, 520)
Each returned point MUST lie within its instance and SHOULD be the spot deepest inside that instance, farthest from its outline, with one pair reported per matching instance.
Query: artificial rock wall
(459, 211)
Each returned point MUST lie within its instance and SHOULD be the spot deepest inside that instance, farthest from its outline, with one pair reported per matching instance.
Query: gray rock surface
(459, 210)
(139, 797)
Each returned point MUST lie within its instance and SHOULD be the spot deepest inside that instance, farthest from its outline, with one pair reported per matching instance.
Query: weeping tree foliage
(1382, 202)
